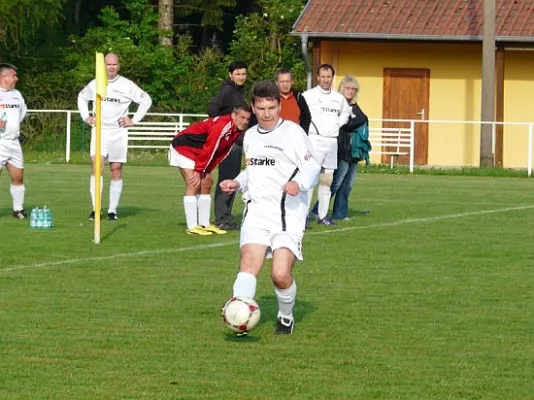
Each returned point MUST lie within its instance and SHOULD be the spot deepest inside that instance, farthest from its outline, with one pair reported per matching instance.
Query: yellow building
(424, 62)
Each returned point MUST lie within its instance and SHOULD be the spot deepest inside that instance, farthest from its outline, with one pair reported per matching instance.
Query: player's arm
(143, 100)
(306, 163)
(240, 182)
(84, 97)
(23, 109)
(344, 113)
(209, 150)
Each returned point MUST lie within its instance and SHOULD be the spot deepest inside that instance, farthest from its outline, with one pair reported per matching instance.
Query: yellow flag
(101, 91)
(101, 75)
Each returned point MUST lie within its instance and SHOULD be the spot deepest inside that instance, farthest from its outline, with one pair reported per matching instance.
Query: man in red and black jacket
(196, 151)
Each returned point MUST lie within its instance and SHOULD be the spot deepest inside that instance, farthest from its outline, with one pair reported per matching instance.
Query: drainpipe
(304, 41)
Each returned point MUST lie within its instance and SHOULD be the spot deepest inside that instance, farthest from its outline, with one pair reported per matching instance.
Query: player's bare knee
(326, 178)
(207, 182)
(281, 279)
(116, 173)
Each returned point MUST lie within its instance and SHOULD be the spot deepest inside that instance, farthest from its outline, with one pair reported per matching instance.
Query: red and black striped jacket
(207, 142)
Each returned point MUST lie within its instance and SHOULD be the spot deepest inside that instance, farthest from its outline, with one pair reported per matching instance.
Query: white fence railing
(181, 119)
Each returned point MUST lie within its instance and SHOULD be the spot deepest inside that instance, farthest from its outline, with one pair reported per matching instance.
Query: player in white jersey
(329, 111)
(12, 112)
(121, 92)
(280, 170)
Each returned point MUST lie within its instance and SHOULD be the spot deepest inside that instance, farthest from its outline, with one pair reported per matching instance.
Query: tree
(20, 19)
(262, 40)
(166, 21)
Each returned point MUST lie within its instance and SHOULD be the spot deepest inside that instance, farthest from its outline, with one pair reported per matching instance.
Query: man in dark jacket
(293, 104)
(231, 94)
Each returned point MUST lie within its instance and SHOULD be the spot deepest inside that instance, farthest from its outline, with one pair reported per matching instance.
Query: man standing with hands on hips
(330, 111)
(121, 92)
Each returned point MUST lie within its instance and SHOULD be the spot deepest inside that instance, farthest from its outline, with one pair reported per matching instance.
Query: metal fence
(465, 131)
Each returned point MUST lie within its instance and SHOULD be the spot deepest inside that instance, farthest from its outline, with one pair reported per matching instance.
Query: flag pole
(101, 92)
(98, 167)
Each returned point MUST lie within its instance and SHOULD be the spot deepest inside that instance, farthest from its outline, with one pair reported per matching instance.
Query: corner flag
(101, 92)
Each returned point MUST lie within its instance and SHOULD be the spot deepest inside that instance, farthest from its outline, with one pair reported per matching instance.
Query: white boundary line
(233, 242)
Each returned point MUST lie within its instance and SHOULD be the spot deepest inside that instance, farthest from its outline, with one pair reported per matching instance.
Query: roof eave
(388, 36)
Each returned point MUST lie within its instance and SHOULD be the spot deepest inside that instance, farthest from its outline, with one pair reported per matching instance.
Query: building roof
(457, 20)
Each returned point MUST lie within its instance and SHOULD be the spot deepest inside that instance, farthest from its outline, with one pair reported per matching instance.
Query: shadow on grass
(130, 211)
(269, 312)
(269, 309)
(113, 231)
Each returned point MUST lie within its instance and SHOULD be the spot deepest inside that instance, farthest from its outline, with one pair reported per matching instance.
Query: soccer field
(431, 296)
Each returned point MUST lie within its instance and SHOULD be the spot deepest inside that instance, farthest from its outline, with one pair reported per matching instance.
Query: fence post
(493, 140)
(412, 138)
(67, 145)
(529, 167)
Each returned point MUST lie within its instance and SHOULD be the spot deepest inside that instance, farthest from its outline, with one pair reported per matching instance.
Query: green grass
(428, 297)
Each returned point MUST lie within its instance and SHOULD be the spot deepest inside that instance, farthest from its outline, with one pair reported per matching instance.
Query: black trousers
(228, 169)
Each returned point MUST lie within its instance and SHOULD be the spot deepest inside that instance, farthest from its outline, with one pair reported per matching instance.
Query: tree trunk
(166, 19)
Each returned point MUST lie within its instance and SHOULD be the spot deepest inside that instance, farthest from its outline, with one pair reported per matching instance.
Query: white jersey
(329, 111)
(274, 158)
(121, 92)
(12, 103)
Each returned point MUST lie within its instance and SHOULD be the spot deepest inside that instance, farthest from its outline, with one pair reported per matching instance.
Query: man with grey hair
(121, 92)
(12, 112)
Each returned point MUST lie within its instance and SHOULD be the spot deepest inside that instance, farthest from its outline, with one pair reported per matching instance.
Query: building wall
(455, 92)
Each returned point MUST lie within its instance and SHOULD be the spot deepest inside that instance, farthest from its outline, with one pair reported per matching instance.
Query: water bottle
(3, 118)
(33, 218)
(39, 218)
(47, 218)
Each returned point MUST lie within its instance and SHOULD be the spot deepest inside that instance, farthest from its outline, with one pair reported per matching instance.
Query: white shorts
(325, 150)
(180, 161)
(113, 147)
(11, 152)
(273, 240)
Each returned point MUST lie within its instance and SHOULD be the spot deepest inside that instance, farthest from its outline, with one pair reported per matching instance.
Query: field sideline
(428, 297)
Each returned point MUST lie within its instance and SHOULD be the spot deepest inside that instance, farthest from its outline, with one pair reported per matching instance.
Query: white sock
(204, 208)
(323, 195)
(92, 189)
(286, 300)
(190, 208)
(17, 193)
(115, 191)
(245, 285)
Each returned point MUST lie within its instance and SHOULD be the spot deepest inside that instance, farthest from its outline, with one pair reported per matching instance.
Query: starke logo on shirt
(261, 161)
(307, 156)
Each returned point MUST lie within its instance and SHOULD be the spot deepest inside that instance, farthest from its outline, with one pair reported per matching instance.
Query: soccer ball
(241, 314)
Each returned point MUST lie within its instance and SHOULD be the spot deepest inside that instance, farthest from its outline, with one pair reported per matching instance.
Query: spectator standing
(345, 173)
(230, 95)
(293, 104)
(329, 111)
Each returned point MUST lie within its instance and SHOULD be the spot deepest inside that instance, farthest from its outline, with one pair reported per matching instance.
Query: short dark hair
(242, 107)
(325, 66)
(265, 90)
(283, 71)
(237, 65)
(5, 66)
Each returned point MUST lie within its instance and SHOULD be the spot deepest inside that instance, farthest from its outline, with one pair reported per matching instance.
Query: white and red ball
(241, 314)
